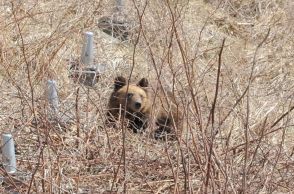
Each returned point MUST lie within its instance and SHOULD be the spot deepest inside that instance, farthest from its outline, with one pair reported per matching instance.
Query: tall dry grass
(228, 63)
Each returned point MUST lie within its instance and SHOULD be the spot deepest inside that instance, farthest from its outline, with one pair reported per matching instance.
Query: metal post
(119, 5)
(8, 153)
(87, 56)
(53, 95)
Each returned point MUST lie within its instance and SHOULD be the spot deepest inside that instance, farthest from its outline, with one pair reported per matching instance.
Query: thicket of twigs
(229, 64)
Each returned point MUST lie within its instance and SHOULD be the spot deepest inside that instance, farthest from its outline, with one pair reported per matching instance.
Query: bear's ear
(143, 83)
(119, 82)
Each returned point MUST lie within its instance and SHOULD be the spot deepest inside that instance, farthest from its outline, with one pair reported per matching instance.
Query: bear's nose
(138, 105)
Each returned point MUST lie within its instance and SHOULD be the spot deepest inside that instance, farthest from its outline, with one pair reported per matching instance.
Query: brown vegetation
(229, 62)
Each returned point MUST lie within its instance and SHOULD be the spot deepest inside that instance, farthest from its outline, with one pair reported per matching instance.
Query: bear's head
(132, 97)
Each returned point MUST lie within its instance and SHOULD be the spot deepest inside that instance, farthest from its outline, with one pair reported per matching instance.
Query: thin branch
(213, 132)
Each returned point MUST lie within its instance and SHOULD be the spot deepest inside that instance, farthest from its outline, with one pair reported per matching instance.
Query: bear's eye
(130, 95)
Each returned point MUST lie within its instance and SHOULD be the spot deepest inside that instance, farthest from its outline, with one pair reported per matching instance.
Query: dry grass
(238, 103)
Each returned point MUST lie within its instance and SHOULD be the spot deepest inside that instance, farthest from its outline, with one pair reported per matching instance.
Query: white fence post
(8, 153)
(53, 95)
(119, 5)
(87, 56)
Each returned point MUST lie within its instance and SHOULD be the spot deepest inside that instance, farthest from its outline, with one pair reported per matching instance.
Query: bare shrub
(228, 63)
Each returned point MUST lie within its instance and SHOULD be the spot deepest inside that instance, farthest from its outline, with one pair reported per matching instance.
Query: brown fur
(156, 108)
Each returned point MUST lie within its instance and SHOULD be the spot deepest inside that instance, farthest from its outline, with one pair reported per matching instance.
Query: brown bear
(144, 106)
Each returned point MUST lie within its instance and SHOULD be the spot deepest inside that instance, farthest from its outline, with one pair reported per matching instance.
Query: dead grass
(238, 104)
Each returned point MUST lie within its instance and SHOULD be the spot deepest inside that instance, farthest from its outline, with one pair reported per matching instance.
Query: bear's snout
(138, 105)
